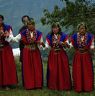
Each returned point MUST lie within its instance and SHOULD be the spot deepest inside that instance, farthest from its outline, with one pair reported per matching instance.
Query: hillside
(13, 10)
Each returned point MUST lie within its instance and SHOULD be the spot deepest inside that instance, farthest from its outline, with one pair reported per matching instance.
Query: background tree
(72, 14)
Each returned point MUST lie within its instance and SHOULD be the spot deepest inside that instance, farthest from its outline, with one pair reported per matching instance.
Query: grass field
(19, 91)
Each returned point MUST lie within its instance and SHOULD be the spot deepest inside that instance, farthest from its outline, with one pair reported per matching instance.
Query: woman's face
(31, 27)
(55, 30)
(82, 30)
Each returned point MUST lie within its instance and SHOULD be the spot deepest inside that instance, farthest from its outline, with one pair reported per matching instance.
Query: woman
(82, 62)
(31, 60)
(8, 74)
(58, 73)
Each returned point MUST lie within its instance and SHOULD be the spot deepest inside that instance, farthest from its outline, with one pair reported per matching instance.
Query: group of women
(58, 71)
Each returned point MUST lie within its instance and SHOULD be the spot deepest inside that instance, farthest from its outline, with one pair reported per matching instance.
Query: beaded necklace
(81, 40)
(56, 40)
(30, 38)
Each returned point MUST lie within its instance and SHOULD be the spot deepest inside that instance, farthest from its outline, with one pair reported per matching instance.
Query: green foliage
(50, 18)
(72, 14)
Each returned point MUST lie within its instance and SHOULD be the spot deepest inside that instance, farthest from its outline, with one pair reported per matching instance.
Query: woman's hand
(41, 43)
(6, 34)
(65, 44)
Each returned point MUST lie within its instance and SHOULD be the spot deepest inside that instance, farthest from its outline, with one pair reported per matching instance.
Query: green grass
(19, 91)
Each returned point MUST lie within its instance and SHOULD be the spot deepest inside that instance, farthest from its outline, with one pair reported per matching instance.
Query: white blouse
(17, 38)
(8, 39)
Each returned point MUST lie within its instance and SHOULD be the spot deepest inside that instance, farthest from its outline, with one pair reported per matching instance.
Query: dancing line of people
(58, 72)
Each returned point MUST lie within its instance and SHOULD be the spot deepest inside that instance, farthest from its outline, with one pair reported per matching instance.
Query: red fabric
(89, 44)
(8, 74)
(48, 41)
(32, 69)
(58, 71)
(39, 38)
(82, 72)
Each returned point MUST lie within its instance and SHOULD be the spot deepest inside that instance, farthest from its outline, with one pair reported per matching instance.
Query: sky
(13, 10)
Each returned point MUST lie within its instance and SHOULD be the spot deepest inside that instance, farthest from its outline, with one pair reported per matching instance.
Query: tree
(70, 16)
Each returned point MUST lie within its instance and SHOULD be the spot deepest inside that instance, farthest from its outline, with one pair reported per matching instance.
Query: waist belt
(32, 47)
(81, 50)
(56, 49)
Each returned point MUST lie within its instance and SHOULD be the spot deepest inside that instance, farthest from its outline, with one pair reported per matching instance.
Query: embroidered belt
(32, 47)
(56, 49)
(82, 51)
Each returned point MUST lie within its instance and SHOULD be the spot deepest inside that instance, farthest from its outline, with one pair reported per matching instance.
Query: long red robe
(83, 77)
(8, 75)
(58, 73)
(32, 72)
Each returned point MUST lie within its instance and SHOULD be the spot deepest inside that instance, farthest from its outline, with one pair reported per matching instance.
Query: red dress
(31, 61)
(8, 74)
(58, 73)
(83, 77)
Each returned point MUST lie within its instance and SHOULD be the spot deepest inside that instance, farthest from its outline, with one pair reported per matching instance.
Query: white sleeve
(8, 39)
(47, 44)
(41, 47)
(11, 38)
(69, 43)
(92, 44)
(41, 40)
(11, 33)
(17, 38)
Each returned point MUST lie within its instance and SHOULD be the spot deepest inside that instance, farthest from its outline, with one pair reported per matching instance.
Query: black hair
(25, 16)
(1, 16)
(56, 25)
(82, 24)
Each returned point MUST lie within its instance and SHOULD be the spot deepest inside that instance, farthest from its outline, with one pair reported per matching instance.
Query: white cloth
(17, 38)
(8, 39)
